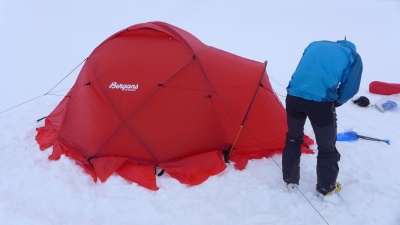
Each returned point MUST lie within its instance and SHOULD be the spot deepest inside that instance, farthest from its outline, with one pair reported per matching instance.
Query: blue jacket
(327, 72)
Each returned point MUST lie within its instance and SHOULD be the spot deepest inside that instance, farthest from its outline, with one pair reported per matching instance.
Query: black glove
(362, 101)
(337, 104)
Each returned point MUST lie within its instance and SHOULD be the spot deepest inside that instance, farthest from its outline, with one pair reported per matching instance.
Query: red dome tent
(154, 95)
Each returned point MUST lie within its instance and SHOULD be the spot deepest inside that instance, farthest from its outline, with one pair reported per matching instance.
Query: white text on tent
(124, 87)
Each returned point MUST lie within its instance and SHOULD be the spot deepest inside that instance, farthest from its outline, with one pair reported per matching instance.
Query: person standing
(327, 76)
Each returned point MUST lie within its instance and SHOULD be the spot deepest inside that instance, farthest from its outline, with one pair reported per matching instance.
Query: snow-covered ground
(42, 41)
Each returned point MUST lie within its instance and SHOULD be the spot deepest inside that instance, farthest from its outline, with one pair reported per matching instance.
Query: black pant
(322, 116)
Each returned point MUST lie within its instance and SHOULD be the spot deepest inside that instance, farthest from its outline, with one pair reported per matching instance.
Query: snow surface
(42, 41)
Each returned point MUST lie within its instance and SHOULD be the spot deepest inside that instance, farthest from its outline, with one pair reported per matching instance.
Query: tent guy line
(67, 75)
(304, 196)
(47, 93)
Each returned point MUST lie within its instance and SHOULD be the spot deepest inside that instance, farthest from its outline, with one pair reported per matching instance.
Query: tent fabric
(153, 95)
(384, 88)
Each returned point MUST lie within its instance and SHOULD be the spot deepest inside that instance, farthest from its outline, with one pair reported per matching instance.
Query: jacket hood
(348, 44)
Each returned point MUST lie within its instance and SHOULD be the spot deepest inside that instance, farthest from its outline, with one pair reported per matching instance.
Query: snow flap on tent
(153, 95)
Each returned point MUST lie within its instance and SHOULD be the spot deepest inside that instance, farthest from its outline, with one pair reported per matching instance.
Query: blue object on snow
(353, 136)
(347, 136)
(389, 105)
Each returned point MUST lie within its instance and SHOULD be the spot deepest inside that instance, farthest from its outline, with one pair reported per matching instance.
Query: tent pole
(247, 113)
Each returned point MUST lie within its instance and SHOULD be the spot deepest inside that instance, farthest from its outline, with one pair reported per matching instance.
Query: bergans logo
(124, 87)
